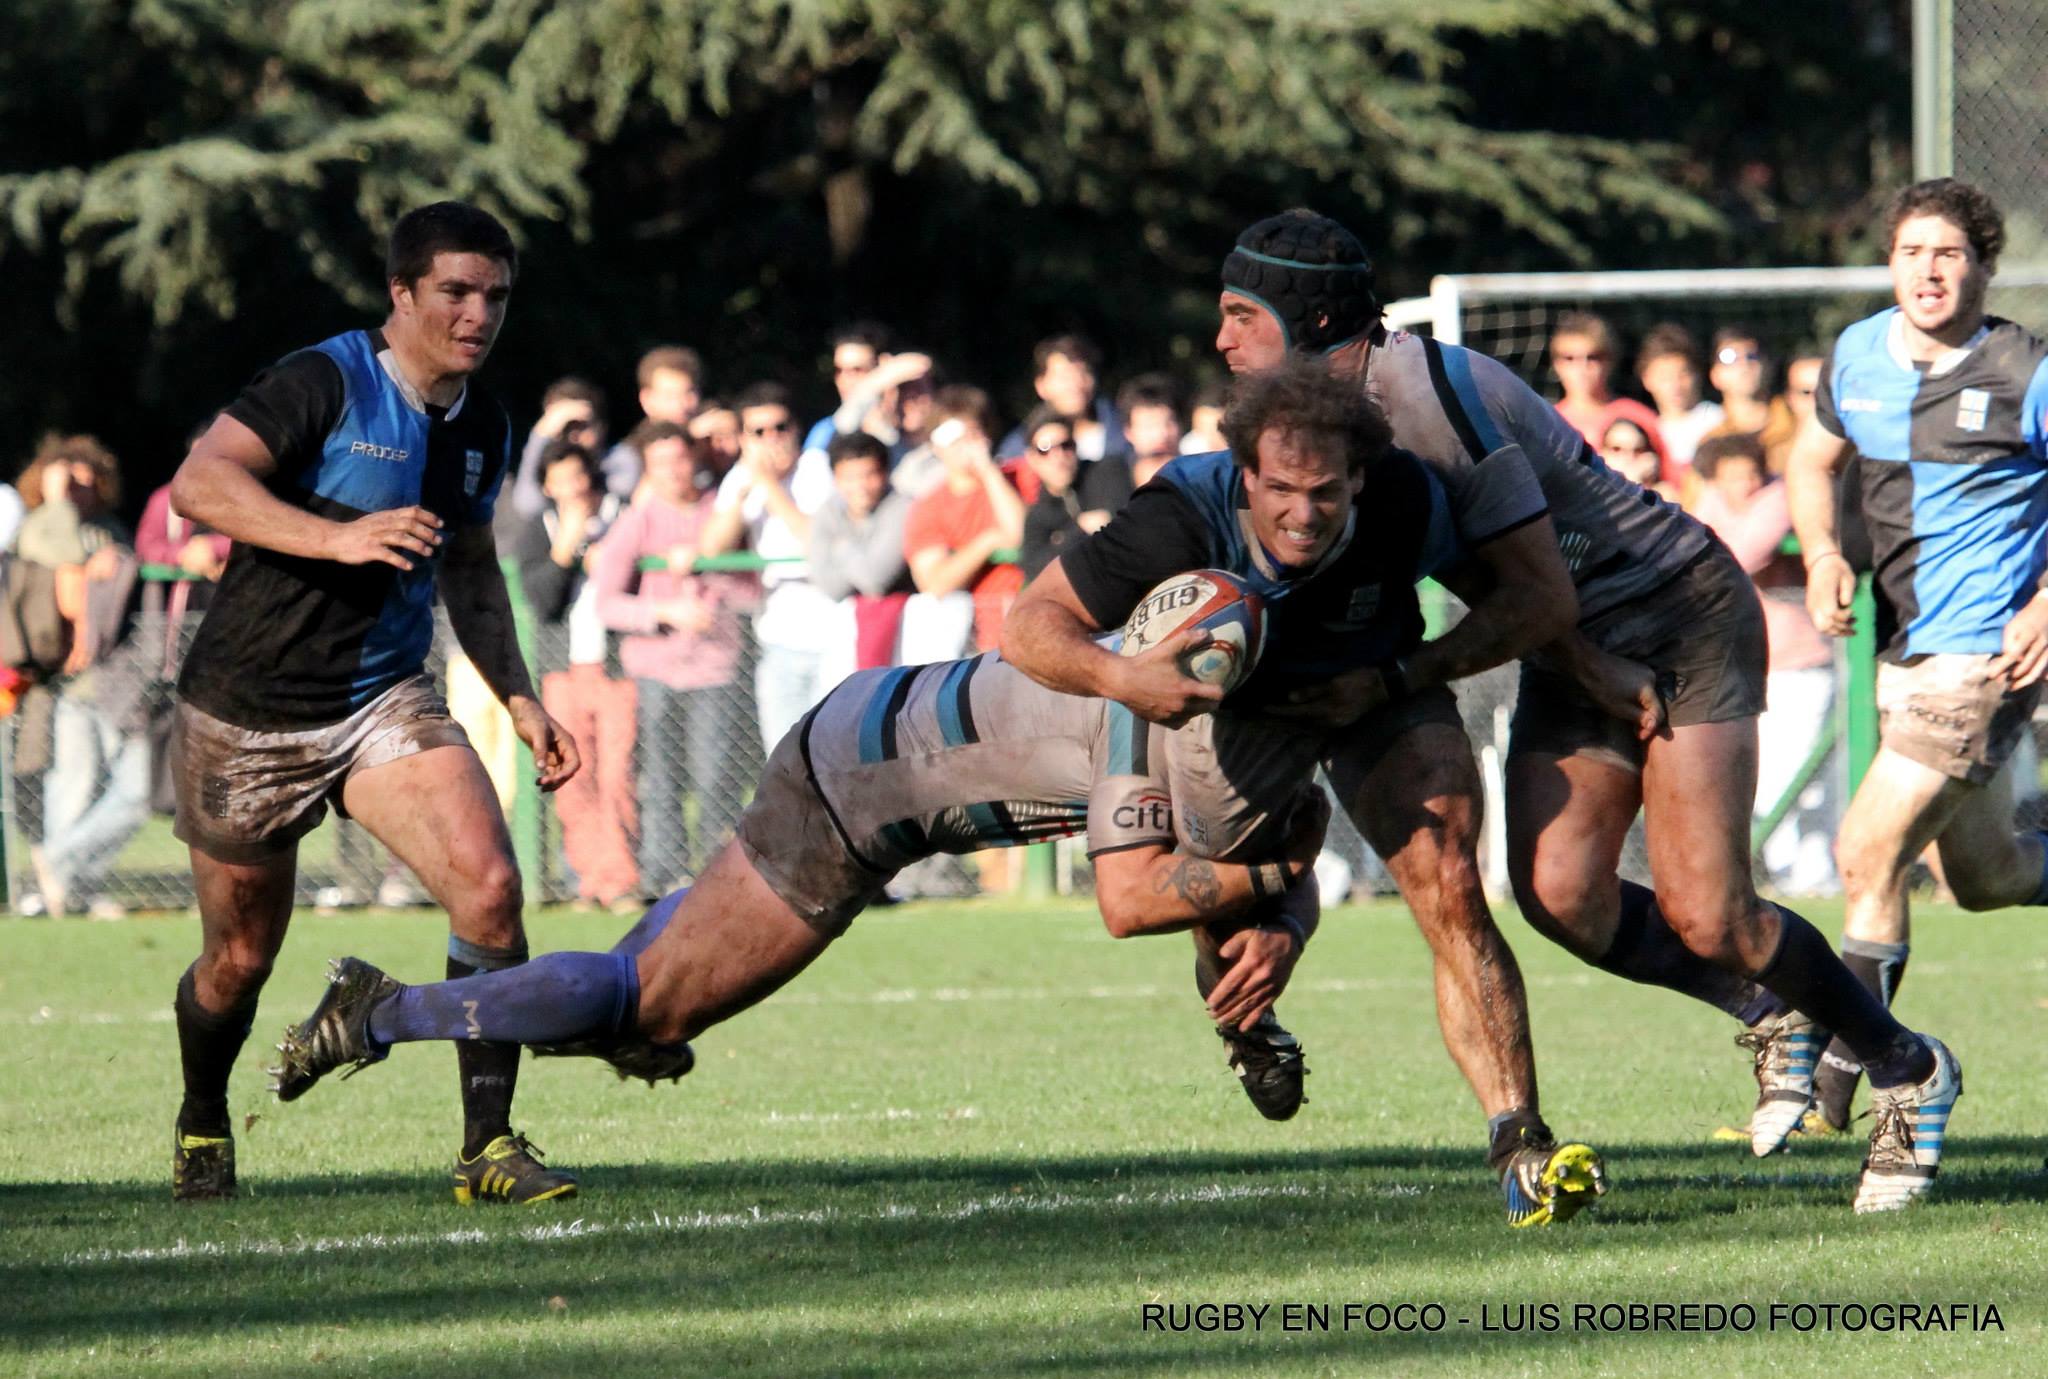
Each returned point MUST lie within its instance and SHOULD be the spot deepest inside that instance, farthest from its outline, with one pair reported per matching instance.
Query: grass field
(979, 1139)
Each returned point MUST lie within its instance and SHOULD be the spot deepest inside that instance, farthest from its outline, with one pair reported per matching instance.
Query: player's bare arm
(473, 589)
(1624, 688)
(220, 485)
(1156, 890)
(1810, 475)
(1050, 637)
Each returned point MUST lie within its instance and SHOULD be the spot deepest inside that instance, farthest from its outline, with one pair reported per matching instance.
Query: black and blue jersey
(291, 642)
(1354, 608)
(1954, 476)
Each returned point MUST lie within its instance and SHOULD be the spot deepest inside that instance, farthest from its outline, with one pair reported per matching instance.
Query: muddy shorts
(1948, 713)
(248, 794)
(1702, 632)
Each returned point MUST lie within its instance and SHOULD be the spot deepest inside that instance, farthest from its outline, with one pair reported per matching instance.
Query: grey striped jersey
(1506, 457)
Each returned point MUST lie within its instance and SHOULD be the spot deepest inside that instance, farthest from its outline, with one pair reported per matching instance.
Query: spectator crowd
(1723, 460)
(697, 583)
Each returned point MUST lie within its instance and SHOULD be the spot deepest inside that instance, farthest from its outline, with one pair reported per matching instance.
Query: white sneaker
(1905, 1144)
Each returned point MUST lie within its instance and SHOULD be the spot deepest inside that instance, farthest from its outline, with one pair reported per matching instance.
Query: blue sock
(555, 998)
(651, 924)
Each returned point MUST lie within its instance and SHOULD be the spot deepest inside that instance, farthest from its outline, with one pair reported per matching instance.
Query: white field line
(971, 995)
(751, 1218)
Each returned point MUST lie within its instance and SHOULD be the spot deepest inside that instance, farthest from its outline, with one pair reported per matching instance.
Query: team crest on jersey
(1972, 408)
(472, 471)
(1365, 601)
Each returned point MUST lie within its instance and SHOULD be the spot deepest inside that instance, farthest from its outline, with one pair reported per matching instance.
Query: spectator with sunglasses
(1073, 499)
(1582, 350)
(766, 503)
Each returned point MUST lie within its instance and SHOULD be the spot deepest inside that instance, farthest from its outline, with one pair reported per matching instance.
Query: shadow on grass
(802, 1241)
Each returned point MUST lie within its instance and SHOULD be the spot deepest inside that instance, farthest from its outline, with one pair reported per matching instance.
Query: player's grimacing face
(1936, 275)
(456, 309)
(1249, 339)
(1299, 498)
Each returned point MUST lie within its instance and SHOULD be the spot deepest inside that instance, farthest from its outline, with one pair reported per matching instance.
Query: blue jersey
(290, 642)
(1954, 476)
(1355, 608)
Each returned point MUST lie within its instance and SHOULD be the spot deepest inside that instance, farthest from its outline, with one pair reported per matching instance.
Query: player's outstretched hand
(554, 751)
(2023, 657)
(1831, 593)
(388, 538)
(1261, 961)
(1153, 686)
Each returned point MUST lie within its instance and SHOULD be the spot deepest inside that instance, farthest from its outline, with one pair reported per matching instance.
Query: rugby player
(1331, 547)
(892, 766)
(1650, 702)
(357, 478)
(1949, 409)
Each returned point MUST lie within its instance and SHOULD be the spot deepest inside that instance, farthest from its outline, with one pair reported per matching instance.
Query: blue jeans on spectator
(98, 794)
(787, 682)
(690, 744)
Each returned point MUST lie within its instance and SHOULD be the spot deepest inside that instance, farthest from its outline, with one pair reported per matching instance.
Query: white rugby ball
(1211, 601)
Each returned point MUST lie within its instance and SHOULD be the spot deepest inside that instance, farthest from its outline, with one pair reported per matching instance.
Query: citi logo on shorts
(380, 452)
(1972, 407)
(1149, 811)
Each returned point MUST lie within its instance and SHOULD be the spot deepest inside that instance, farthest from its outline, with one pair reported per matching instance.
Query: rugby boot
(1547, 1184)
(1787, 1048)
(630, 1055)
(1268, 1062)
(337, 1032)
(1905, 1143)
(509, 1170)
(202, 1166)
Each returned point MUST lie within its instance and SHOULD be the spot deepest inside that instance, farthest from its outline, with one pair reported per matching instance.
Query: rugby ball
(1211, 601)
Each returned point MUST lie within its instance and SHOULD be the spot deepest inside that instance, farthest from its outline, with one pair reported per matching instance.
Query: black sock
(1808, 977)
(1880, 967)
(489, 1071)
(208, 1045)
(1647, 949)
(1509, 1131)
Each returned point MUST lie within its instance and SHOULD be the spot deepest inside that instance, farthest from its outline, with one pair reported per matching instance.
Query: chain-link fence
(87, 795)
(1998, 126)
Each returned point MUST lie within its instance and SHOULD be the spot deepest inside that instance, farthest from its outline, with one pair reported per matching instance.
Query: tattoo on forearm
(1195, 881)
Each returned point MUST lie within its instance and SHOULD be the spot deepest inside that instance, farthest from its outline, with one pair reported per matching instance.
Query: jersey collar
(1945, 362)
(388, 361)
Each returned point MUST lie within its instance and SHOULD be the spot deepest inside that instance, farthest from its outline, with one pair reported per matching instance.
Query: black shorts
(1702, 632)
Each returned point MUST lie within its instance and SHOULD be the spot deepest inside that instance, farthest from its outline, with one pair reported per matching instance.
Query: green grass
(977, 1139)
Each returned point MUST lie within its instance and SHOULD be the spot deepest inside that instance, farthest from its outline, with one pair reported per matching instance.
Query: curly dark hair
(1975, 213)
(1304, 402)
